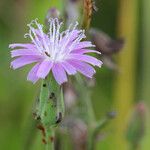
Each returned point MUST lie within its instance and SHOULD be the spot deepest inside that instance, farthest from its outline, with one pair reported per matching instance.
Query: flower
(56, 51)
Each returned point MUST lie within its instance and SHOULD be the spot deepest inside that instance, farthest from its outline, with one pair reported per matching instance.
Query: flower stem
(50, 110)
(50, 139)
(85, 95)
(89, 112)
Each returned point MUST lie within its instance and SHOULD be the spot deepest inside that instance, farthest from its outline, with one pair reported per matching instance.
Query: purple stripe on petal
(69, 68)
(87, 58)
(32, 74)
(22, 45)
(24, 60)
(24, 52)
(83, 68)
(44, 69)
(73, 36)
(83, 51)
(59, 73)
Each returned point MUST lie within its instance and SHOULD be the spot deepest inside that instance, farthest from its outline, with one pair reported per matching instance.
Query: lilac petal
(32, 74)
(87, 58)
(22, 45)
(40, 36)
(59, 73)
(44, 69)
(83, 68)
(24, 60)
(74, 35)
(69, 68)
(84, 44)
(83, 51)
(24, 52)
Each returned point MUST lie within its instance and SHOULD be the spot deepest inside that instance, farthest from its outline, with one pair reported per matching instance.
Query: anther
(47, 54)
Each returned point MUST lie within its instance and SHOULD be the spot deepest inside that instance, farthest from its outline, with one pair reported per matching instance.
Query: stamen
(54, 48)
(58, 32)
(77, 40)
(31, 37)
(68, 34)
(33, 31)
(40, 27)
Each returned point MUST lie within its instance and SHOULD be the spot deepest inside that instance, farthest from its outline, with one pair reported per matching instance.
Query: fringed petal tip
(100, 64)
(11, 46)
(12, 66)
(59, 74)
(60, 83)
(98, 52)
(33, 81)
(92, 45)
(11, 54)
(32, 74)
(92, 51)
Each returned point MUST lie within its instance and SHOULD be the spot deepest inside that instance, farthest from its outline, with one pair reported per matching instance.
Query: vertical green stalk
(50, 109)
(49, 139)
(88, 114)
(86, 99)
(124, 92)
(94, 127)
(145, 92)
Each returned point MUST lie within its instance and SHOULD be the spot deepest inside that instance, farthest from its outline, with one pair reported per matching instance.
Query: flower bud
(136, 126)
(104, 43)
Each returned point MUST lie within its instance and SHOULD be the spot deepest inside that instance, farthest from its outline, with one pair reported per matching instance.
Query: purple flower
(59, 52)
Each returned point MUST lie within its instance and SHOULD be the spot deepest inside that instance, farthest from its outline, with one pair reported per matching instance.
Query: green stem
(93, 126)
(91, 118)
(90, 109)
(50, 109)
(86, 100)
(89, 112)
(50, 134)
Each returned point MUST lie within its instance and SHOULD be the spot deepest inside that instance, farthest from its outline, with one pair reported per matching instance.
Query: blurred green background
(115, 90)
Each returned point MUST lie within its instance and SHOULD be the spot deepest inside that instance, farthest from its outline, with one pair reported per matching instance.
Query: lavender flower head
(59, 52)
